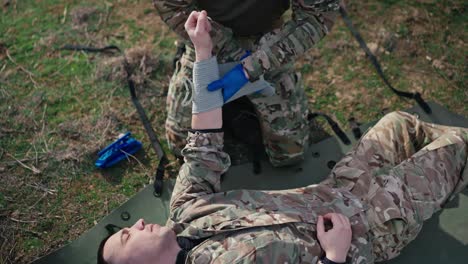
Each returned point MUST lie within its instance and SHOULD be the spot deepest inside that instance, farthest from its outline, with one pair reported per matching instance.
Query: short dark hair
(111, 229)
(100, 256)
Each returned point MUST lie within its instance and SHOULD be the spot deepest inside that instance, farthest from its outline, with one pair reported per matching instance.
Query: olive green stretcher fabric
(444, 238)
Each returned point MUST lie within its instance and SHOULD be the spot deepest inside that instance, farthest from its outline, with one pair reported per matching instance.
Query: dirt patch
(81, 16)
(142, 64)
(97, 134)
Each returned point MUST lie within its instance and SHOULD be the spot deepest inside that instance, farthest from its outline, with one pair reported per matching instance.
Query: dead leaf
(438, 64)
(373, 47)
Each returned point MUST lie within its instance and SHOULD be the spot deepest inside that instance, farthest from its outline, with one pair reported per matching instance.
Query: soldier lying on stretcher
(374, 201)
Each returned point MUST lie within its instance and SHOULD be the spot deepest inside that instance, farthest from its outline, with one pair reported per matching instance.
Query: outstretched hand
(337, 240)
(198, 28)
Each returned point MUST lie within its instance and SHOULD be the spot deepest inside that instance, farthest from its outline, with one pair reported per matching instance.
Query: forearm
(204, 158)
(208, 120)
(308, 26)
(205, 71)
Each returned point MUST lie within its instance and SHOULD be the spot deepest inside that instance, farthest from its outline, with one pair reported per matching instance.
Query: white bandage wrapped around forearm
(205, 72)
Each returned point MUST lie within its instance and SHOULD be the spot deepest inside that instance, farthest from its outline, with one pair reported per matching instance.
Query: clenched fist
(198, 28)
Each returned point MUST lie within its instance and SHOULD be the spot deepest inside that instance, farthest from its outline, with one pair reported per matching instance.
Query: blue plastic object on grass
(118, 151)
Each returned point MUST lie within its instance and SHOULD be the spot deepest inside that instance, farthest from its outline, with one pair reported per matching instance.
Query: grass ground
(59, 108)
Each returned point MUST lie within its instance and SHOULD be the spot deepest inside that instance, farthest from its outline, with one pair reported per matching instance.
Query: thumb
(320, 226)
(216, 85)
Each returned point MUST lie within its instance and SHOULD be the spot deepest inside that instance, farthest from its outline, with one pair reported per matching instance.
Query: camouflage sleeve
(205, 161)
(175, 12)
(311, 21)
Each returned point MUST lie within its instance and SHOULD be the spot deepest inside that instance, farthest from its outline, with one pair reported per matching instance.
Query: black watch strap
(213, 130)
(324, 260)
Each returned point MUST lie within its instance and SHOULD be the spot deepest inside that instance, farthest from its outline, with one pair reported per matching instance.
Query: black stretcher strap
(159, 176)
(335, 127)
(415, 96)
(91, 49)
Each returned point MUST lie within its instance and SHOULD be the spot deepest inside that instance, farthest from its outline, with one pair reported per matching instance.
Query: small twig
(38, 200)
(33, 169)
(42, 188)
(43, 128)
(99, 22)
(9, 131)
(109, 8)
(65, 12)
(22, 221)
(14, 244)
(4, 93)
(3, 68)
(29, 231)
(107, 205)
(10, 163)
(30, 74)
(60, 69)
(130, 155)
(35, 151)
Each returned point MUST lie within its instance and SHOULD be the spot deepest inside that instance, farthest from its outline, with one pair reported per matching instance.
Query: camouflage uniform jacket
(311, 21)
(245, 226)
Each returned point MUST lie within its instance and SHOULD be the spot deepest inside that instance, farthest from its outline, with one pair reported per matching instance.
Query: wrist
(212, 119)
(202, 54)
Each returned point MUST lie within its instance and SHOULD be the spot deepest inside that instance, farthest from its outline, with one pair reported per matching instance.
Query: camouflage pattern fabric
(401, 172)
(283, 117)
(311, 21)
(406, 169)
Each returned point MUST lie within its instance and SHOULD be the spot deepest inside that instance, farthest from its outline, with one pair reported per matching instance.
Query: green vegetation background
(59, 108)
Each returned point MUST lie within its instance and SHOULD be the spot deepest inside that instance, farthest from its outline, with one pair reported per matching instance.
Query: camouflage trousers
(282, 117)
(405, 170)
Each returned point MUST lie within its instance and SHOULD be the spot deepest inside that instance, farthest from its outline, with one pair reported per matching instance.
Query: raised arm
(311, 21)
(204, 158)
(176, 12)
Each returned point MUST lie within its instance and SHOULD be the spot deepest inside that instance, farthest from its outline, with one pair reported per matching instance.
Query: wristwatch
(324, 260)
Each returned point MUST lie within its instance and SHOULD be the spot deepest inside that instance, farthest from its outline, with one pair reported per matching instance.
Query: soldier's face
(141, 243)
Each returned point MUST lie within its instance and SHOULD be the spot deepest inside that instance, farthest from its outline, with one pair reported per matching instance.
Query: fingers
(345, 220)
(202, 23)
(320, 226)
(198, 21)
(338, 219)
(191, 22)
(207, 23)
(334, 218)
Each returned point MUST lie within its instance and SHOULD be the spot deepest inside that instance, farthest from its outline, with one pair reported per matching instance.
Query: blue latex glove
(231, 82)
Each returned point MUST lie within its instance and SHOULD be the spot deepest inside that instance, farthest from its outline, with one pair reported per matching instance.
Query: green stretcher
(443, 239)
